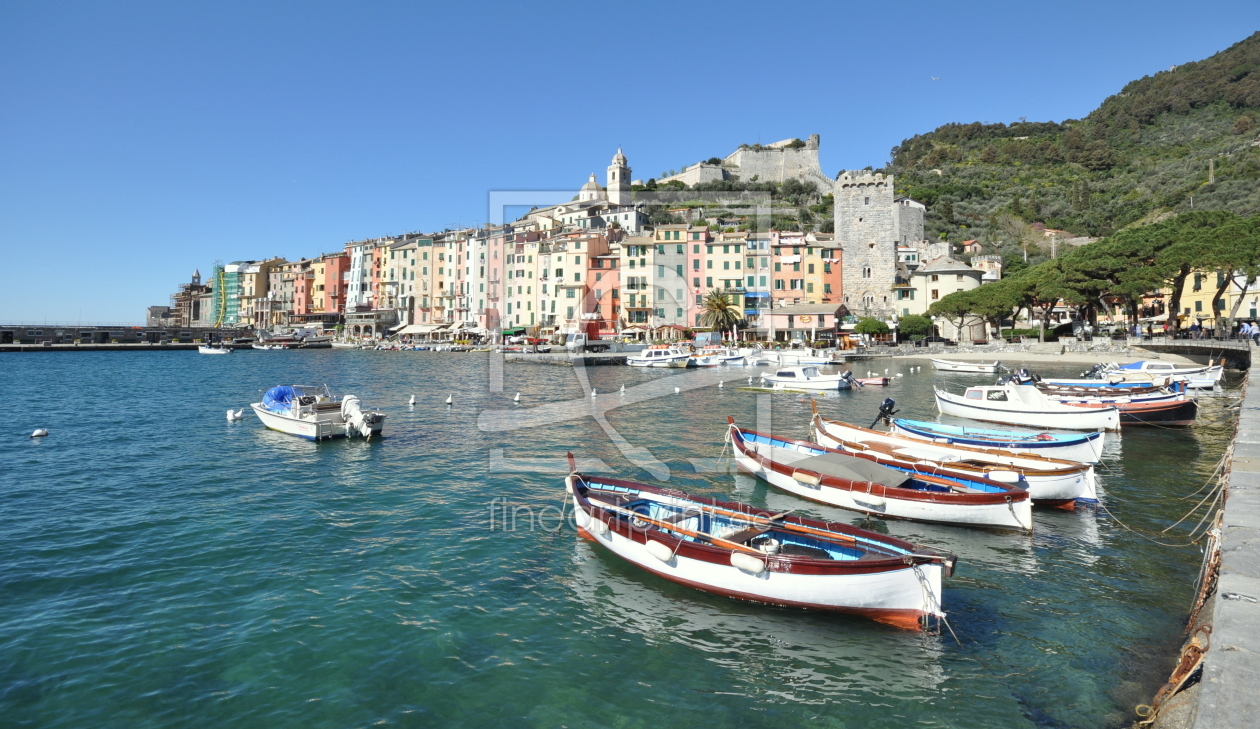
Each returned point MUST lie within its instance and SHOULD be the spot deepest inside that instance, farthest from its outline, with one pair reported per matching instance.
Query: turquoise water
(161, 567)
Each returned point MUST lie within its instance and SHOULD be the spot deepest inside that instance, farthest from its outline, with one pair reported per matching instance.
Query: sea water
(163, 567)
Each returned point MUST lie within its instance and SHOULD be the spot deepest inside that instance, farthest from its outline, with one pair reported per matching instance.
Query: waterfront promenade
(1228, 695)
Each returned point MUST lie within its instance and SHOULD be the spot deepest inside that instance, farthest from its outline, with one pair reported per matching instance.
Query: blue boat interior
(699, 517)
(945, 430)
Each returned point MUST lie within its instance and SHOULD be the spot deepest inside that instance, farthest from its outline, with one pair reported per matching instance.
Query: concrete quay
(111, 347)
(1229, 691)
(564, 359)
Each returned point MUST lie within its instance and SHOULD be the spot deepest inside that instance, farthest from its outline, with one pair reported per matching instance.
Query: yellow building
(1201, 286)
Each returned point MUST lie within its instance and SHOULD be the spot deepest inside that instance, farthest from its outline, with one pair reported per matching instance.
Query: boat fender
(747, 563)
(942, 440)
(807, 477)
(599, 527)
(949, 563)
(1124, 400)
(582, 518)
(1004, 476)
(568, 484)
(659, 550)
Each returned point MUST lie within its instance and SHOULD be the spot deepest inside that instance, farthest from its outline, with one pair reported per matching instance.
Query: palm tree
(720, 312)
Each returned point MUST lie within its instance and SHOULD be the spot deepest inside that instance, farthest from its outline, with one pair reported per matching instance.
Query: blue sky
(141, 140)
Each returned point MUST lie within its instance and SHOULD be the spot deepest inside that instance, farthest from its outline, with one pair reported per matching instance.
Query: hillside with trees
(1180, 140)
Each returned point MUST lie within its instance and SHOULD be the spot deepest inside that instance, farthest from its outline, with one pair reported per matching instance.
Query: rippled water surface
(162, 567)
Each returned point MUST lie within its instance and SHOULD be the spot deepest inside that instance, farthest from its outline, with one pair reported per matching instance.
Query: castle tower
(196, 279)
(866, 230)
(619, 180)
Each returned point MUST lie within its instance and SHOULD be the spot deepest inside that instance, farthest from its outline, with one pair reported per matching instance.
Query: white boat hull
(889, 592)
(1093, 419)
(322, 428)
(949, 365)
(214, 350)
(1007, 516)
(1070, 485)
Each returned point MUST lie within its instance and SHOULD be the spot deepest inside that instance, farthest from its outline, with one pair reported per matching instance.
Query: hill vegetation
(1180, 140)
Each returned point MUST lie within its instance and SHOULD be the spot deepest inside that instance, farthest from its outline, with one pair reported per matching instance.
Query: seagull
(623, 389)
(593, 393)
(449, 398)
(750, 379)
(517, 398)
(721, 384)
(885, 370)
(899, 374)
(412, 401)
(935, 78)
(677, 390)
(40, 433)
(234, 415)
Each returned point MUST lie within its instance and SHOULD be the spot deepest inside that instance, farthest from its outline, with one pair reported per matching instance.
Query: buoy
(517, 398)
(412, 401)
(39, 433)
(449, 398)
(747, 563)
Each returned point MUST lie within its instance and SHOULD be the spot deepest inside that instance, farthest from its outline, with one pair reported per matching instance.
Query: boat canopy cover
(278, 399)
(852, 469)
(1133, 366)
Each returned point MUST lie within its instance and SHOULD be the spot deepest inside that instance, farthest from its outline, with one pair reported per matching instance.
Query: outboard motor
(886, 412)
(848, 375)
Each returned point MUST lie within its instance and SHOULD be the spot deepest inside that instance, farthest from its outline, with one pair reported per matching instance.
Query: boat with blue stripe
(1082, 447)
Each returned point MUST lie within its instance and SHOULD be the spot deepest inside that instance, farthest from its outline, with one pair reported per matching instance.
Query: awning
(756, 294)
(401, 326)
(417, 329)
(514, 331)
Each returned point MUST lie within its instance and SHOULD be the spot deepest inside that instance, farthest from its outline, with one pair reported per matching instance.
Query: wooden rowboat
(738, 551)
(1050, 482)
(830, 476)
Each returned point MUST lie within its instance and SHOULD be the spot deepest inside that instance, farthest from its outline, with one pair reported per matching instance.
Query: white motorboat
(210, 349)
(268, 347)
(798, 358)
(949, 365)
(346, 345)
(806, 378)
(1024, 405)
(315, 413)
(1052, 481)
(659, 356)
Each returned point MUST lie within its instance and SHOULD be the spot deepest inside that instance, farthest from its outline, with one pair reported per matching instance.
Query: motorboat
(806, 378)
(659, 356)
(797, 358)
(1082, 447)
(1149, 373)
(949, 365)
(1024, 405)
(345, 345)
(742, 552)
(267, 347)
(1049, 481)
(314, 413)
(706, 357)
(833, 477)
(874, 381)
(213, 349)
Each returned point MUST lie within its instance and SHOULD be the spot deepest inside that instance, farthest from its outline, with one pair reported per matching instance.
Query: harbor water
(162, 567)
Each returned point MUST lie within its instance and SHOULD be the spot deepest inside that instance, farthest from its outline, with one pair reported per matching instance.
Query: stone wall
(866, 232)
(778, 163)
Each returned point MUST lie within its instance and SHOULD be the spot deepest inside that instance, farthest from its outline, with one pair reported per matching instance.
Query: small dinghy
(209, 349)
(745, 553)
(1049, 481)
(983, 368)
(833, 477)
(1082, 447)
(315, 413)
(1024, 405)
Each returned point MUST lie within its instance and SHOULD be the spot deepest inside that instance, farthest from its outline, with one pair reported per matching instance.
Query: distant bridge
(1235, 352)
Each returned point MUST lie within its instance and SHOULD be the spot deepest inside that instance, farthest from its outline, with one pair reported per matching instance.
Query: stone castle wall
(778, 163)
(866, 229)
